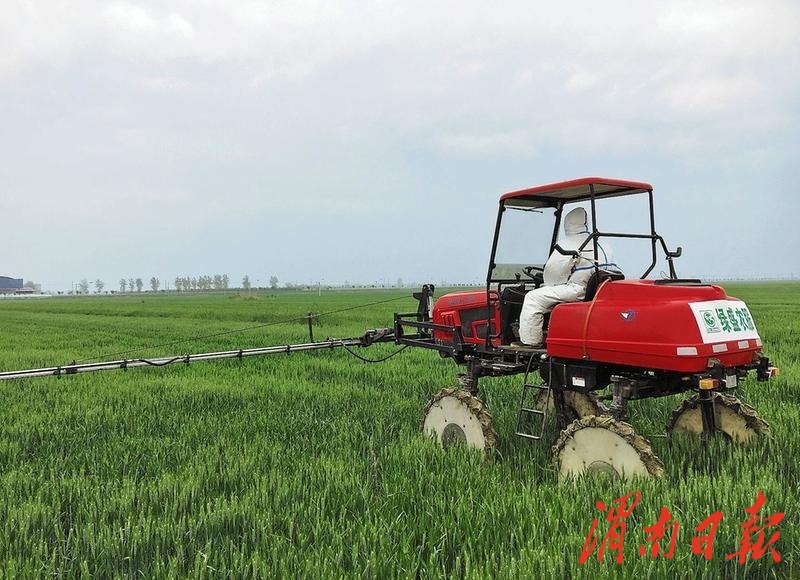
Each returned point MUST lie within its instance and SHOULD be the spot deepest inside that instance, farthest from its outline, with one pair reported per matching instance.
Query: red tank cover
(669, 327)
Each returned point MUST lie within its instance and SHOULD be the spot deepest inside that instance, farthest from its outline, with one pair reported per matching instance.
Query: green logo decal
(719, 320)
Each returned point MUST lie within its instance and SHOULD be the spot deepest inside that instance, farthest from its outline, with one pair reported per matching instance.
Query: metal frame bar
(124, 364)
(652, 233)
(427, 325)
(426, 344)
(489, 306)
(427, 341)
(556, 225)
(594, 223)
(593, 236)
(495, 239)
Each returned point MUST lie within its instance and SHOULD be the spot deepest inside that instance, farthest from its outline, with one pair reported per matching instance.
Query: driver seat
(597, 278)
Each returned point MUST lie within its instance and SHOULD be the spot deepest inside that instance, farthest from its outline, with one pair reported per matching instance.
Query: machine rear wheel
(454, 417)
(603, 445)
(737, 420)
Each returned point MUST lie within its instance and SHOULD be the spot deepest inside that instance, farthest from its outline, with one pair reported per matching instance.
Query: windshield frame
(594, 236)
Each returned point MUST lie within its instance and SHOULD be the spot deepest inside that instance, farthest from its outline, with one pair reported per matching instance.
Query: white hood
(559, 268)
(575, 222)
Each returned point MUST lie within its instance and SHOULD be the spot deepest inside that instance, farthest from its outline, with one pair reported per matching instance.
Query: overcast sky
(362, 141)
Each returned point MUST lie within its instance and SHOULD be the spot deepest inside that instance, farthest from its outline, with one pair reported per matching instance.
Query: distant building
(13, 286)
(7, 283)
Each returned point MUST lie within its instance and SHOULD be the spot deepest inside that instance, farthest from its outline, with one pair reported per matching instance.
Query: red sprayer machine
(627, 339)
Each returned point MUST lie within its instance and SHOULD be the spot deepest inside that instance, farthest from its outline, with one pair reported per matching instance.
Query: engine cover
(471, 313)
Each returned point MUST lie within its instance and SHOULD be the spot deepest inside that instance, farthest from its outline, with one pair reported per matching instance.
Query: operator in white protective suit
(565, 277)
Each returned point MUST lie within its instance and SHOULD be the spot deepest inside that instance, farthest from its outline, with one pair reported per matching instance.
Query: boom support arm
(367, 339)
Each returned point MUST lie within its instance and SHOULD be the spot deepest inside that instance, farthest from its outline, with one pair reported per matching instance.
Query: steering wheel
(529, 271)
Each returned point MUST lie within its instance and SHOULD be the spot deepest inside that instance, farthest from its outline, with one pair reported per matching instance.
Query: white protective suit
(565, 277)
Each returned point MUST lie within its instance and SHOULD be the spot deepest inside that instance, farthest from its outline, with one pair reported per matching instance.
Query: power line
(235, 331)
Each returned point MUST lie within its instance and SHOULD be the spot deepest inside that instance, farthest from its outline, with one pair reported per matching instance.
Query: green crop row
(312, 465)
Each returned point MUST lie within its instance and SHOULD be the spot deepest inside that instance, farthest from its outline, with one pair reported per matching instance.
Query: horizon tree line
(215, 282)
(181, 284)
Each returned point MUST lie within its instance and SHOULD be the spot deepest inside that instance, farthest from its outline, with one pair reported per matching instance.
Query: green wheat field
(312, 465)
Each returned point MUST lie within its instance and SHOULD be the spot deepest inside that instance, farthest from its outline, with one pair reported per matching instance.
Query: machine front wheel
(604, 446)
(454, 417)
(736, 420)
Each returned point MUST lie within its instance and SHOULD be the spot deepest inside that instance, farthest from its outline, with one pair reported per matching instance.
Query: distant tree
(399, 282)
(226, 282)
(83, 286)
(155, 283)
(139, 284)
(178, 283)
(131, 284)
(194, 284)
(123, 284)
(99, 285)
(273, 282)
(246, 282)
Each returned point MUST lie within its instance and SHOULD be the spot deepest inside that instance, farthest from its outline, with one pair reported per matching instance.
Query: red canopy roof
(574, 190)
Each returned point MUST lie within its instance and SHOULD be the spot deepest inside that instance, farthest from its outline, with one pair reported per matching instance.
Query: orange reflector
(708, 384)
(774, 372)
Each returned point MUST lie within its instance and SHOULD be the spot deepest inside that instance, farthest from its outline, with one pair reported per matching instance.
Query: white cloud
(623, 66)
(179, 25)
(508, 143)
(130, 17)
(165, 84)
(713, 95)
(581, 81)
(310, 103)
(594, 135)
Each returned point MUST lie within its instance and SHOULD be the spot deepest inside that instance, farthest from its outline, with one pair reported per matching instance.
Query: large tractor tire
(738, 421)
(454, 417)
(578, 405)
(604, 446)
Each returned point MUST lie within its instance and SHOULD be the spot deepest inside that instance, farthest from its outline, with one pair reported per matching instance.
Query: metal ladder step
(536, 418)
(526, 411)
